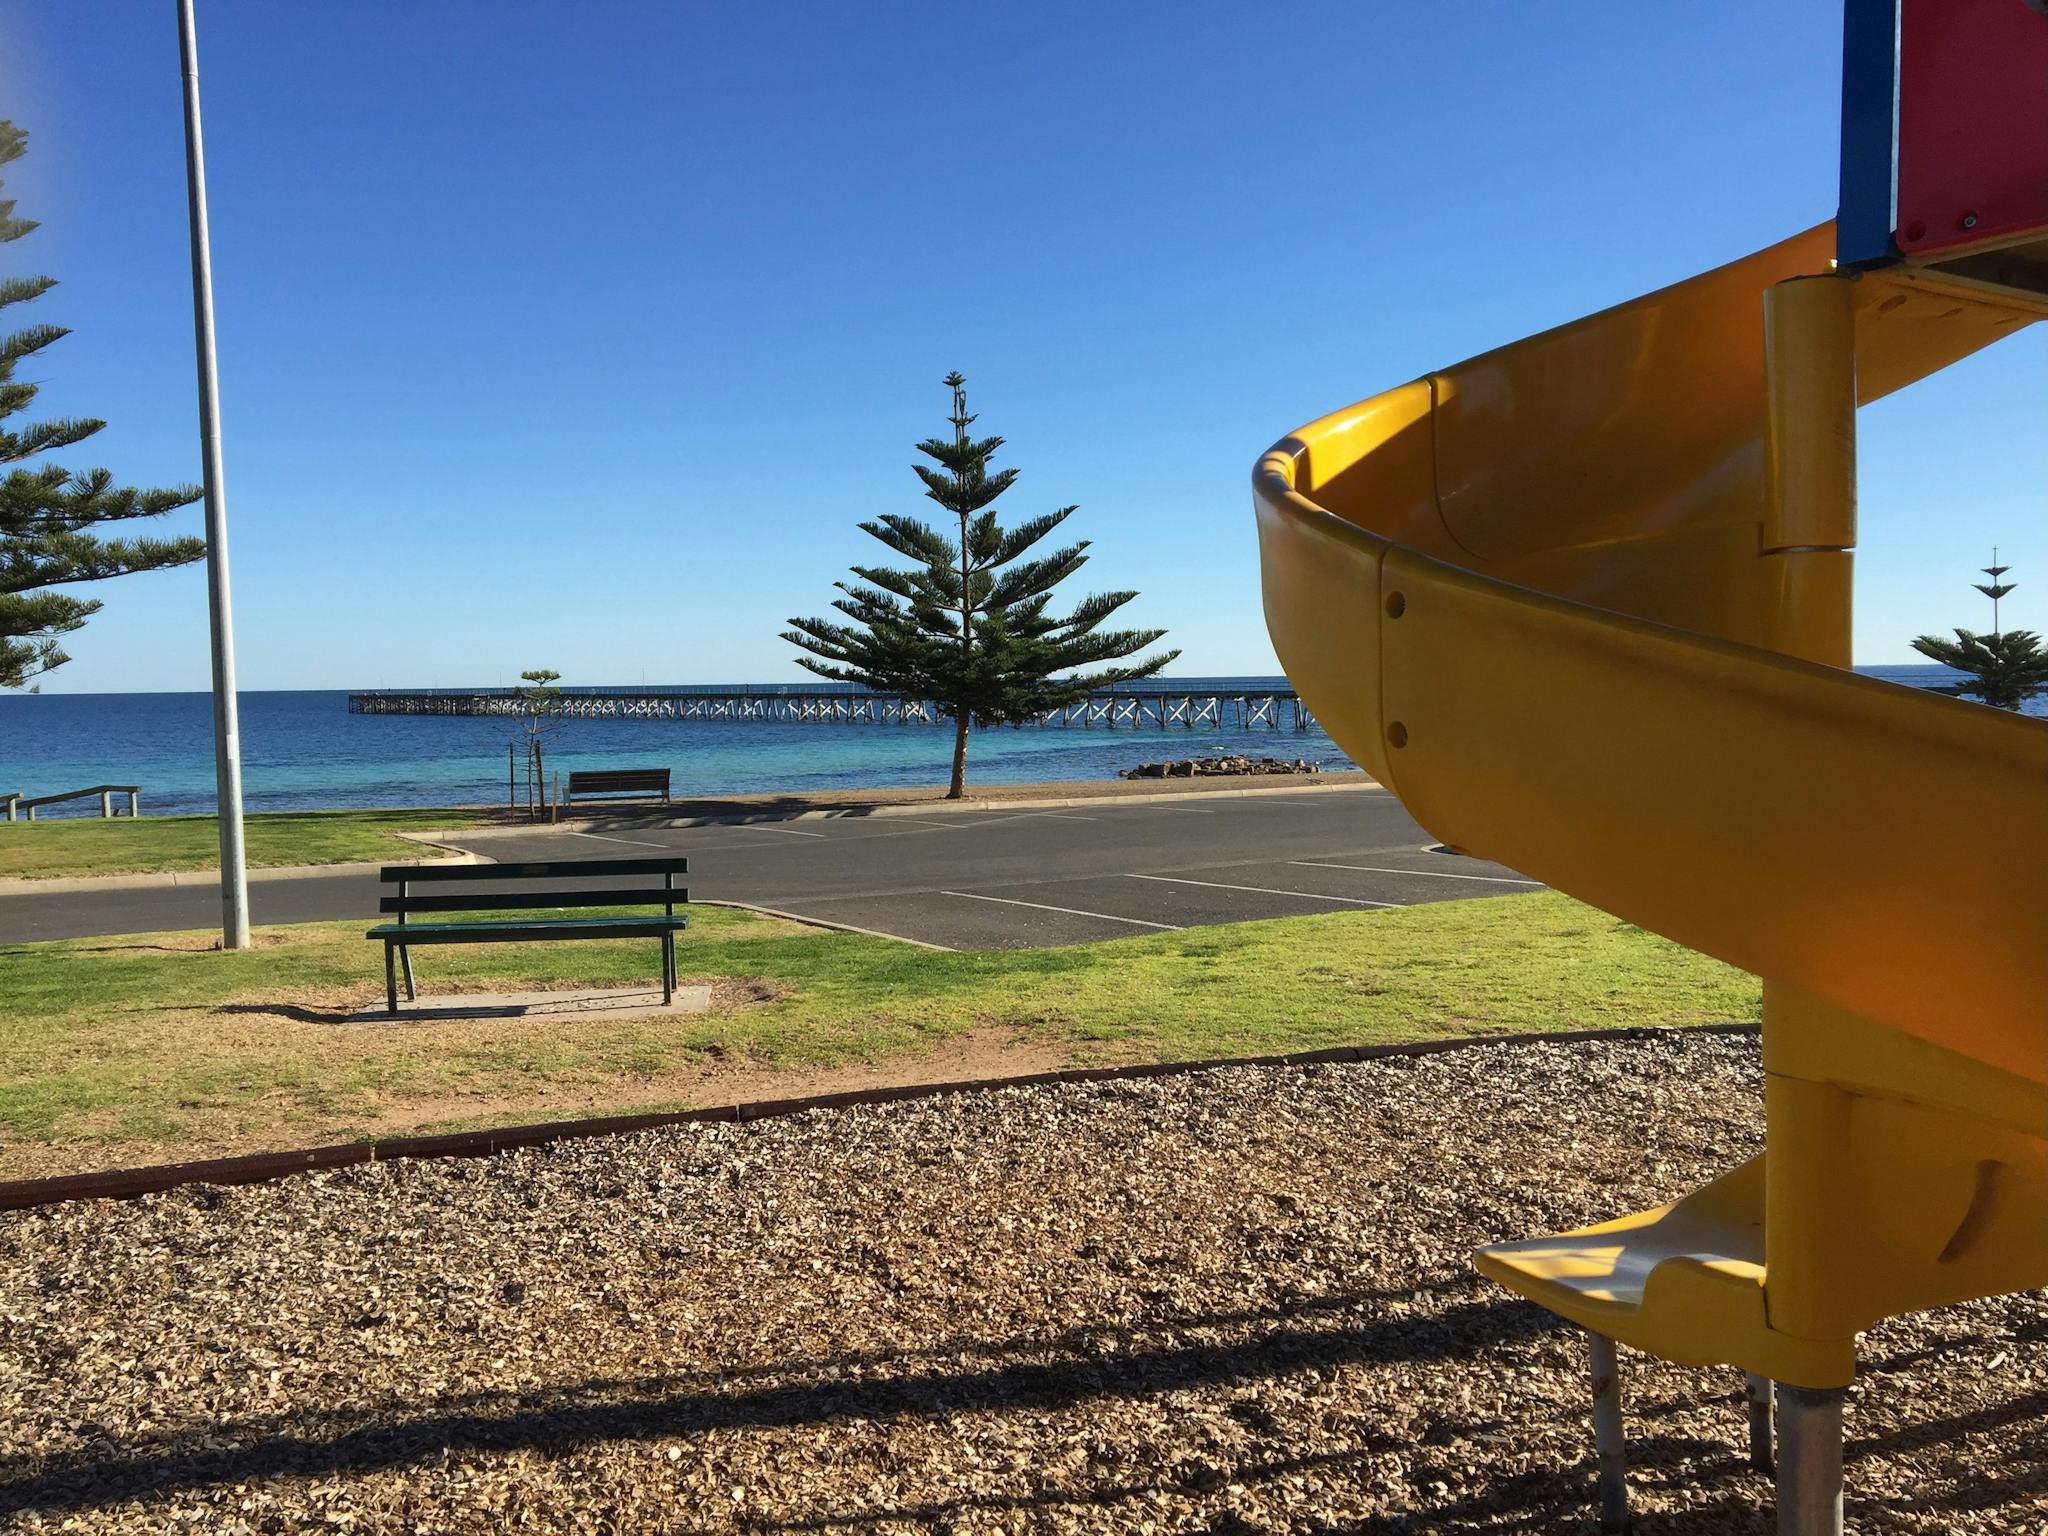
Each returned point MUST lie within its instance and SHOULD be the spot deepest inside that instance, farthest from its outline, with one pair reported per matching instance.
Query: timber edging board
(261, 1167)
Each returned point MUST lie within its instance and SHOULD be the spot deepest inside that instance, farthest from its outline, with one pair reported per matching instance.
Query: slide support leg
(1610, 1449)
(1757, 1390)
(1809, 1461)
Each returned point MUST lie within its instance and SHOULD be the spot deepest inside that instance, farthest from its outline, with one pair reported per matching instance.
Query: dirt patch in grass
(965, 1058)
(339, 1005)
(108, 1139)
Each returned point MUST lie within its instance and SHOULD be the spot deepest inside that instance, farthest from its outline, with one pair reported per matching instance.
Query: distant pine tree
(47, 513)
(965, 627)
(2005, 669)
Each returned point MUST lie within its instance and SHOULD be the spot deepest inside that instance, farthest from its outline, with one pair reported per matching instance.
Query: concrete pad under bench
(582, 1004)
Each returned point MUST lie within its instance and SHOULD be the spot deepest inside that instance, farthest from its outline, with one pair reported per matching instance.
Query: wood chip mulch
(1230, 1302)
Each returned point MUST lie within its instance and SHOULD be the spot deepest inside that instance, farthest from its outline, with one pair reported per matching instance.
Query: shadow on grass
(297, 1012)
(294, 1011)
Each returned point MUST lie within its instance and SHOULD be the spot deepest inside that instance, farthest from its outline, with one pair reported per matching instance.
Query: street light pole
(227, 735)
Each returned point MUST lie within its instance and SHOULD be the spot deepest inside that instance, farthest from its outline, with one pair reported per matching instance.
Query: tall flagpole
(227, 735)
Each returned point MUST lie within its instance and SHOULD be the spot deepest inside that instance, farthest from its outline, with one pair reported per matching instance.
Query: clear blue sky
(581, 336)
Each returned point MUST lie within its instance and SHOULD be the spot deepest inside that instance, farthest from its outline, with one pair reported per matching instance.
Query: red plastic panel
(1973, 122)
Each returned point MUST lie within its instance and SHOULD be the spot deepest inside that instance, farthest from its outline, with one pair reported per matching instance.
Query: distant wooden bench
(636, 782)
(400, 937)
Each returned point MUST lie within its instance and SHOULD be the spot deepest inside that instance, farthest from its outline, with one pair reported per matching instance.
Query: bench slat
(536, 928)
(401, 938)
(511, 901)
(567, 869)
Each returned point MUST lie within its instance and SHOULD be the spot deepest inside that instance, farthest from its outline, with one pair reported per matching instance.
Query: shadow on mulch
(1102, 1363)
(315, 1445)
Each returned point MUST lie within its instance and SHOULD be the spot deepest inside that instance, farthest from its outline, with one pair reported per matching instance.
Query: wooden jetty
(1268, 709)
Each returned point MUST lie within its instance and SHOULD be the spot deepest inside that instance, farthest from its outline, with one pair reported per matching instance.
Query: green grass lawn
(113, 1042)
(149, 844)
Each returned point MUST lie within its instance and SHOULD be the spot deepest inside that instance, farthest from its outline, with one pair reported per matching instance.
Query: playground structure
(1583, 604)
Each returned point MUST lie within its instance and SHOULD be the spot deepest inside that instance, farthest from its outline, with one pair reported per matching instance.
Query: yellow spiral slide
(1583, 604)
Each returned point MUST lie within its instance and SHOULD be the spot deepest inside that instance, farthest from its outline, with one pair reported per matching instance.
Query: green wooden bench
(606, 783)
(458, 889)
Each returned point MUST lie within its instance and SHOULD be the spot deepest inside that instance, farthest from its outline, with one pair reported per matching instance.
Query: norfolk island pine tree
(966, 626)
(2005, 669)
(47, 513)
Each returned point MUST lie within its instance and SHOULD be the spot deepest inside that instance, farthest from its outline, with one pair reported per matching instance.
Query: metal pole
(1757, 1392)
(227, 734)
(1809, 1461)
(1609, 1445)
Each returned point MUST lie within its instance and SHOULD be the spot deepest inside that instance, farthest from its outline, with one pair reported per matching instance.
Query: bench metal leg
(405, 959)
(1757, 1392)
(390, 977)
(1610, 1449)
(1810, 1461)
(668, 969)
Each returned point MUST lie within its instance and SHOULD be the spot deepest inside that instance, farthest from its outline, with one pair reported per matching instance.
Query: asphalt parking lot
(975, 878)
(1003, 879)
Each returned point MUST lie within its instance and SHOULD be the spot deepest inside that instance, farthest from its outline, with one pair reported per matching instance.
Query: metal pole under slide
(1609, 1445)
(1809, 1461)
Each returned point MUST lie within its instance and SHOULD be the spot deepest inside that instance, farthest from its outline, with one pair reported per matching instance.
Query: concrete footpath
(975, 875)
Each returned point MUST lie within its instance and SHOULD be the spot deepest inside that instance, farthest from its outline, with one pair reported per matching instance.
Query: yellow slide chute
(1583, 604)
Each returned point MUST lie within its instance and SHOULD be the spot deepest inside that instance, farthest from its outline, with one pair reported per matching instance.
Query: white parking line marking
(997, 821)
(1107, 917)
(1267, 890)
(1434, 874)
(629, 842)
(756, 826)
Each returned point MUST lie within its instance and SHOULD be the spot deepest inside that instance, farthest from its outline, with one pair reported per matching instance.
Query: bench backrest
(455, 887)
(620, 778)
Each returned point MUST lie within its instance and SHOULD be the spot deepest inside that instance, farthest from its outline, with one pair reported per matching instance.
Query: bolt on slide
(1583, 604)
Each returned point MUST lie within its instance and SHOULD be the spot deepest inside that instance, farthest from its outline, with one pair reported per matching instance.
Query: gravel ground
(1231, 1302)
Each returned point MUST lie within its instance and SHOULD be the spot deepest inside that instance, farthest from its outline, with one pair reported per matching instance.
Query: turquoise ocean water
(304, 750)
